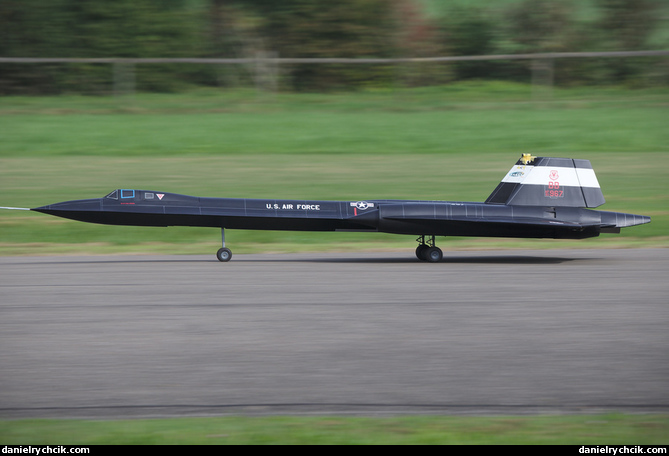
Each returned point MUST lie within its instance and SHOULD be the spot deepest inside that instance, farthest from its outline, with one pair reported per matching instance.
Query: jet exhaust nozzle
(622, 220)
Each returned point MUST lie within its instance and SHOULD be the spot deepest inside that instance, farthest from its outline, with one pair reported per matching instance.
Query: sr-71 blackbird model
(539, 197)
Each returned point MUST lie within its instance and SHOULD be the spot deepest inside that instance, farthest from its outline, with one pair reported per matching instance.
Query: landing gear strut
(224, 254)
(427, 250)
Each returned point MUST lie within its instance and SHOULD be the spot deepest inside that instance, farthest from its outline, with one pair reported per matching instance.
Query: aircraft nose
(70, 206)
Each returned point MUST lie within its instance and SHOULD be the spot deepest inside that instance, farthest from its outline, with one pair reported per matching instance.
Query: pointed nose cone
(75, 210)
(86, 204)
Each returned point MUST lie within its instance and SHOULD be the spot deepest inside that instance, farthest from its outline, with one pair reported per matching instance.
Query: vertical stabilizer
(546, 181)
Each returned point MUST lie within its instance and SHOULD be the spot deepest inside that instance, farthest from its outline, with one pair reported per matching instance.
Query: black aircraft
(539, 197)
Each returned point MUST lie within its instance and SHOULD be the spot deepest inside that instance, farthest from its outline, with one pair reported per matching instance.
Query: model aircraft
(540, 197)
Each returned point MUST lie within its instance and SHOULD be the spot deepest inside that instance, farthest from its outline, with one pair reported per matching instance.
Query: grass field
(412, 430)
(448, 143)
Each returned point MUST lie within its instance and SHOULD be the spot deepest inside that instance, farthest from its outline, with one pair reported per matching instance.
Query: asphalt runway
(499, 332)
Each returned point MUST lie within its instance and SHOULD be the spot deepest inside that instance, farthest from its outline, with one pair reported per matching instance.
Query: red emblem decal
(160, 195)
(554, 175)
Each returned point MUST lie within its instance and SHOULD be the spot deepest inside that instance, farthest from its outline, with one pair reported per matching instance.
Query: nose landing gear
(224, 254)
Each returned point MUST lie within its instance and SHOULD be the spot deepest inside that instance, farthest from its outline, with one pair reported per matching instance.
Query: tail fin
(544, 181)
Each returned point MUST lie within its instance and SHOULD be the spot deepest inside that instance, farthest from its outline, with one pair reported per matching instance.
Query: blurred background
(258, 29)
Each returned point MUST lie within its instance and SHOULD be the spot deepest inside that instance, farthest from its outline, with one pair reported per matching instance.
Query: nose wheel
(224, 254)
(427, 250)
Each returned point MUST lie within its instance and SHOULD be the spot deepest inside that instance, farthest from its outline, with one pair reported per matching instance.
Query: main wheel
(224, 254)
(420, 252)
(433, 254)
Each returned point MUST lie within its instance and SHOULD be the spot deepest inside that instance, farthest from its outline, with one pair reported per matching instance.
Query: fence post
(124, 78)
(542, 79)
(266, 71)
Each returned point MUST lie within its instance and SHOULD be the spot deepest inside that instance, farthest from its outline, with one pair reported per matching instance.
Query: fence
(265, 67)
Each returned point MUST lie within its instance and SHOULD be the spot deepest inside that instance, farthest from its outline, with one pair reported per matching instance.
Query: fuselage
(438, 218)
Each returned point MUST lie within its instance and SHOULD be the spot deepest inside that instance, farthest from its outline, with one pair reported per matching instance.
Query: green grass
(611, 429)
(463, 118)
(562, 131)
(446, 143)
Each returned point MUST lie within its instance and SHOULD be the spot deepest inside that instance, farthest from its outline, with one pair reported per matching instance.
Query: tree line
(312, 28)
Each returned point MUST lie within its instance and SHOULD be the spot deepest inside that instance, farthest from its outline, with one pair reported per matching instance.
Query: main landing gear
(427, 250)
(224, 254)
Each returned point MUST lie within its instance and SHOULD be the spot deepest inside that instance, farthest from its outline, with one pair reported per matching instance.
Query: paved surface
(374, 333)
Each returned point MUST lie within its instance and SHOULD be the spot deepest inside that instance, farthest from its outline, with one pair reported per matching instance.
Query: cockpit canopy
(125, 194)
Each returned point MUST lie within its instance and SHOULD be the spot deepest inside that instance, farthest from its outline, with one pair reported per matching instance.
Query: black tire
(434, 255)
(420, 252)
(224, 254)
